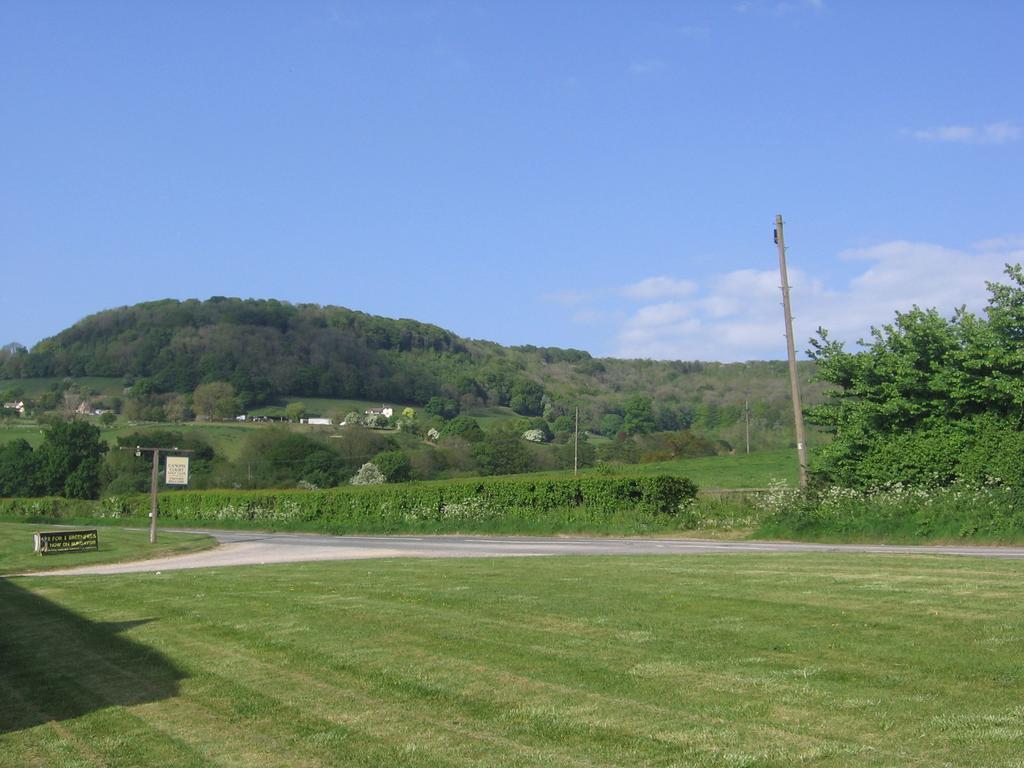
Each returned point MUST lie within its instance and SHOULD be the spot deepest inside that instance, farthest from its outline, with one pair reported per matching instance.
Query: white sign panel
(176, 470)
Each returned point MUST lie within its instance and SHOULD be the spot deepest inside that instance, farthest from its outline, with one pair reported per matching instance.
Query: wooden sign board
(176, 470)
(57, 542)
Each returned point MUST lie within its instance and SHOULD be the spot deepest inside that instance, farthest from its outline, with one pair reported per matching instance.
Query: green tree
(215, 400)
(585, 456)
(322, 468)
(124, 472)
(611, 424)
(638, 415)
(527, 398)
(178, 408)
(394, 465)
(465, 427)
(929, 399)
(70, 460)
(442, 407)
(564, 423)
(295, 411)
(502, 452)
(19, 470)
(276, 457)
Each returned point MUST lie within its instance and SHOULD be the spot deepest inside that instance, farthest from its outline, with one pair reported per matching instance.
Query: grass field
(116, 545)
(325, 407)
(34, 387)
(225, 437)
(755, 470)
(719, 660)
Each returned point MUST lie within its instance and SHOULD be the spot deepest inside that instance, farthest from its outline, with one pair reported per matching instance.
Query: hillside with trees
(180, 359)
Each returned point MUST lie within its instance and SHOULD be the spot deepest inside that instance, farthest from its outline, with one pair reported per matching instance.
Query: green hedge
(901, 513)
(459, 503)
(47, 508)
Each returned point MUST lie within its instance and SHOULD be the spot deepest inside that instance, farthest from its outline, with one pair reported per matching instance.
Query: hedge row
(383, 507)
(49, 508)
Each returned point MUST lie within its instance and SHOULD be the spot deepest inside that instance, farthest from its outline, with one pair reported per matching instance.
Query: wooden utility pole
(154, 477)
(746, 420)
(794, 383)
(576, 445)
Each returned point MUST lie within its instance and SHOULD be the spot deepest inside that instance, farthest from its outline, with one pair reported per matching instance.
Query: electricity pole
(794, 385)
(154, 477)
(576, 445)
(746, 420)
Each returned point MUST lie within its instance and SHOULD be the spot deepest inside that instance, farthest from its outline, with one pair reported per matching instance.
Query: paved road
(250, 548)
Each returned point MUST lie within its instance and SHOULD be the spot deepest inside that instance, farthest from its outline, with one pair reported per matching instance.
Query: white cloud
(993, 133)
(659, 288)
(1004, 243)
(659, 315)
(738, 315)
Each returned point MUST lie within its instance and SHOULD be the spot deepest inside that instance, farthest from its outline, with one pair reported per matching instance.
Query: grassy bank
(115, 545)
(900, 514)
(749, 660)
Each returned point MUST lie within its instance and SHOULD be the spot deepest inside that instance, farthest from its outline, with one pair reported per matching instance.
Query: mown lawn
(731, 660)
(116, 545)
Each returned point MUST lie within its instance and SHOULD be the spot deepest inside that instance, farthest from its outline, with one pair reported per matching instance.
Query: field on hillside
(225, 437)
(325, 407)
(101, 385)
(716, 660)
(754, 470)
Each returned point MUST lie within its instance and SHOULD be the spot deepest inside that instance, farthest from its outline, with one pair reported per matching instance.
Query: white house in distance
(385, 410)
(17, 405)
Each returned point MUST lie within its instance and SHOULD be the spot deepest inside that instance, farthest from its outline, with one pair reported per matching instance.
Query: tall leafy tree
(928, 399)
(70, 460)
(215, 400)
(638, 415)
(19, 470)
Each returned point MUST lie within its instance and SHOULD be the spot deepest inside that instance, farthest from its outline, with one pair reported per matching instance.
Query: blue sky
(599, 175)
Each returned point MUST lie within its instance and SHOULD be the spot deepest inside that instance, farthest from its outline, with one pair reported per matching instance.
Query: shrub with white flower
(534, 435)
(368, 474)
(433, 435)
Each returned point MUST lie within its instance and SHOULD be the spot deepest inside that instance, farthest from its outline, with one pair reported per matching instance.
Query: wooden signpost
(175, 473)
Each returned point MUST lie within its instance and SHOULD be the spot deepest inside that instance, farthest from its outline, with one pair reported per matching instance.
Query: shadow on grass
(56, 665)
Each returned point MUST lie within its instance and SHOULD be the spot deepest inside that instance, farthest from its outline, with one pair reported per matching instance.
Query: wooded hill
(270, 349)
